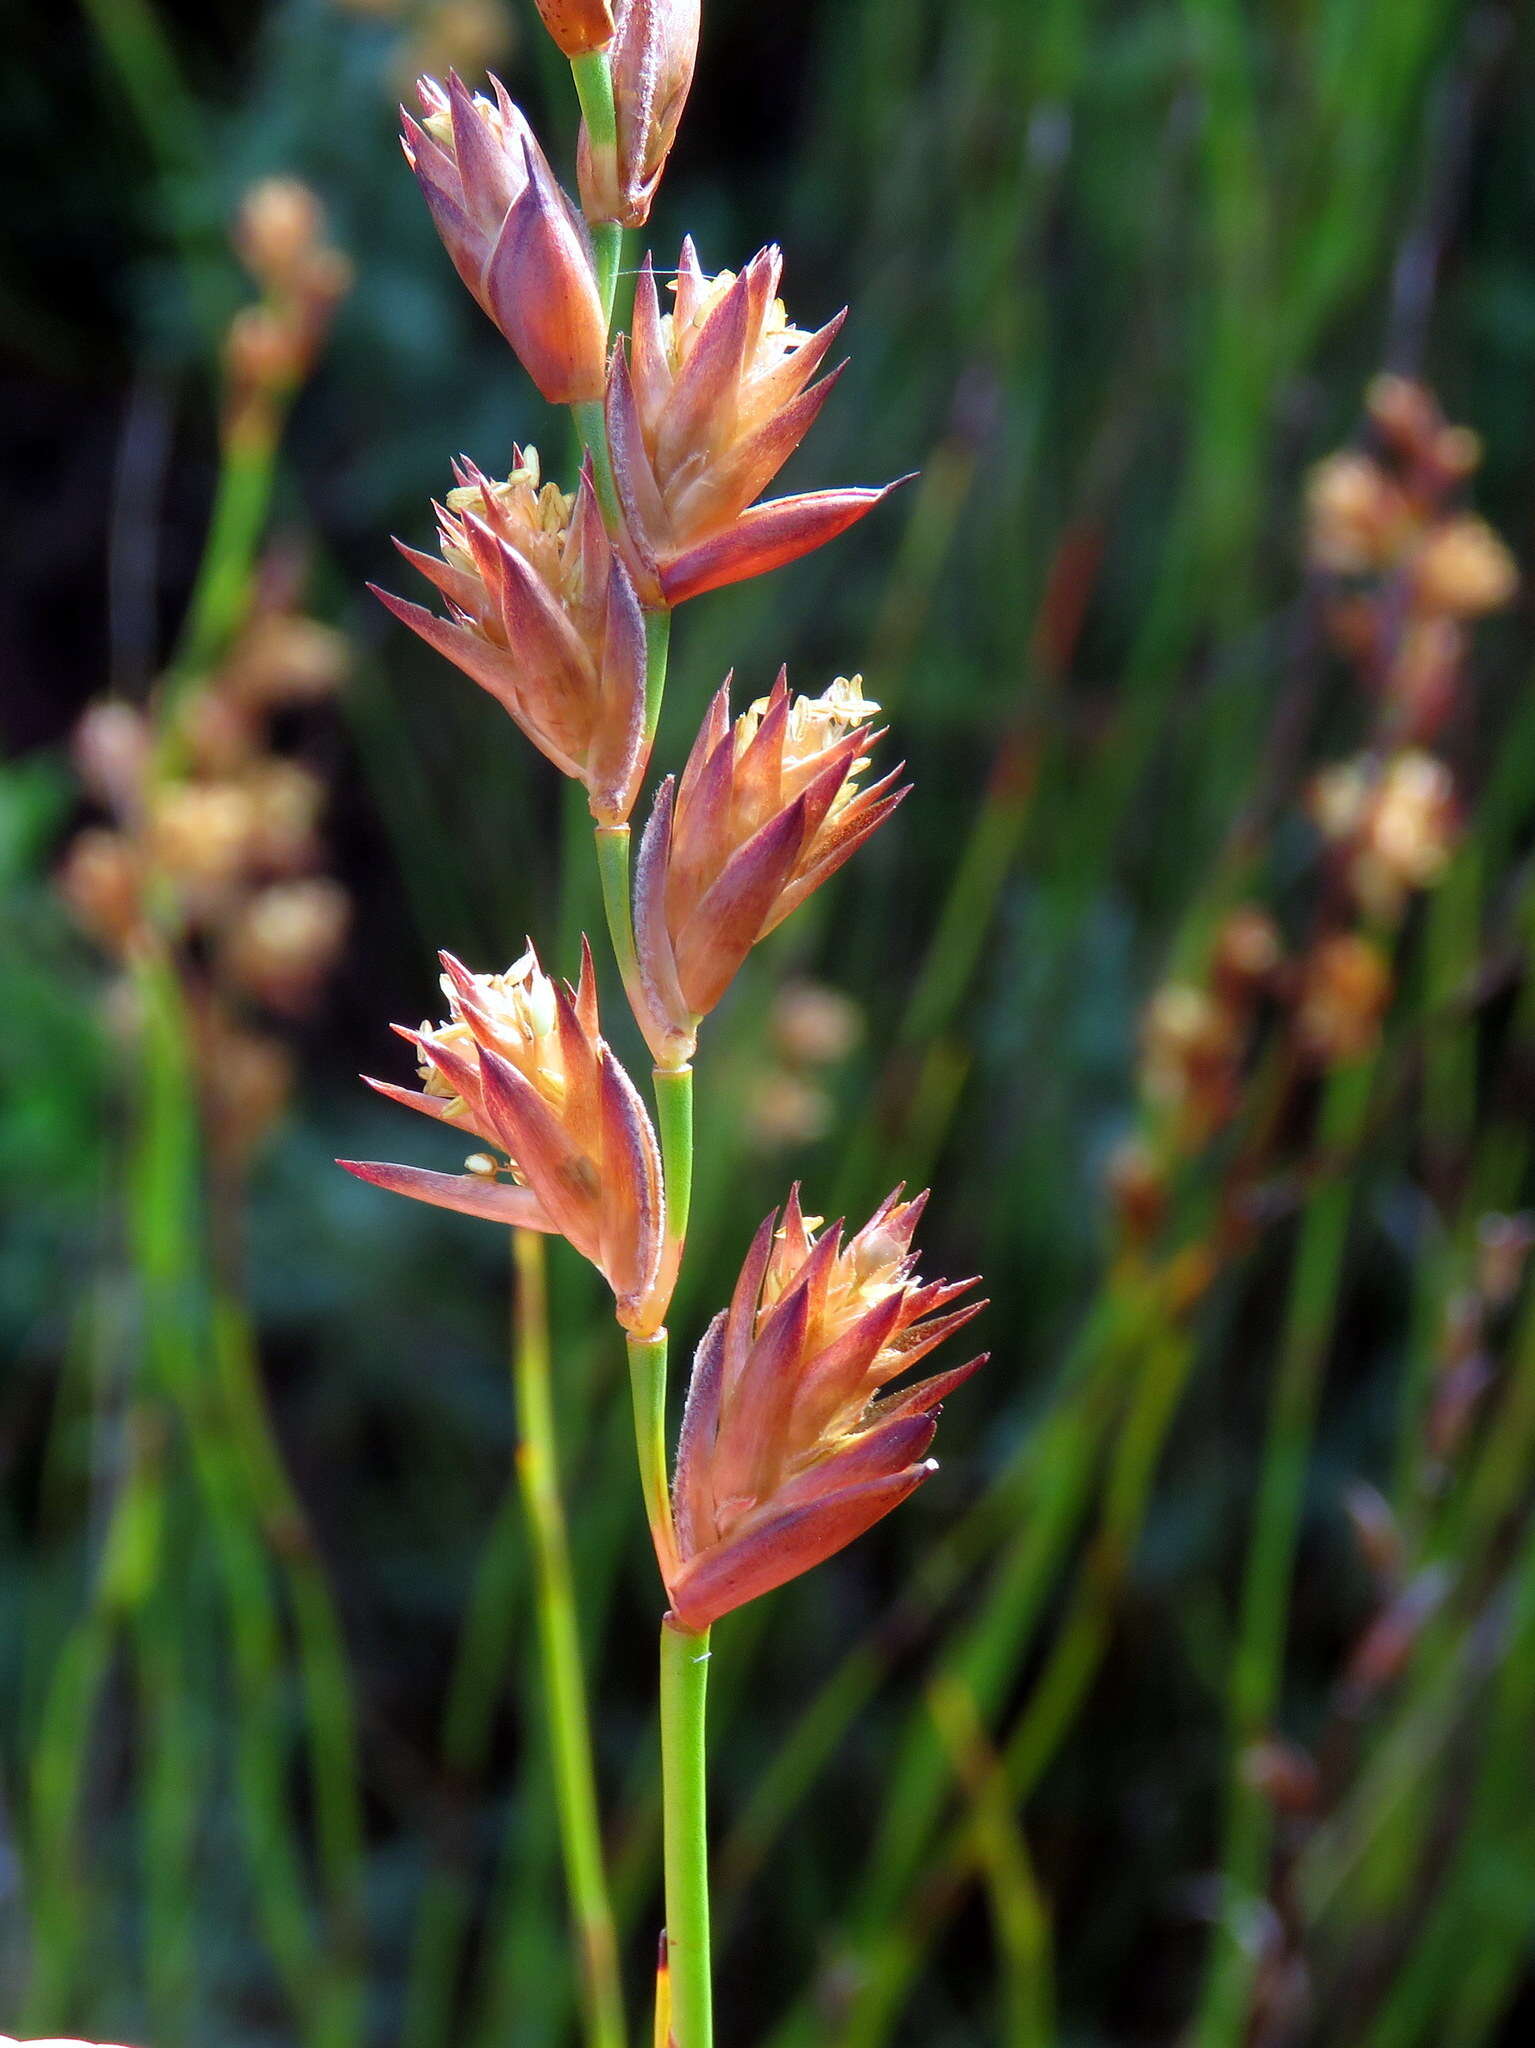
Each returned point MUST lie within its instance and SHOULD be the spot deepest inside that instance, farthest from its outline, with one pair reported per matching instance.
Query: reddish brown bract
(521, 1065)
(542, 614)
(577, 27)
(709, 404)
(653, 51)
(767, 809)
(789, 1446)
(515, 239)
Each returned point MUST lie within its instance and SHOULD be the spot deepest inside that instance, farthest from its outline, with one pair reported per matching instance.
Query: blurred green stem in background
(896, 1959)
(1257, 1668)
(486, 1657)
(1020, 1917)
(172, 127)
(567, 1728)
(330, 1728)
(1474, 1936)
(57, 1767)
(221, 595)
(1032, 1511)
(171, 1251)
(200, 1351)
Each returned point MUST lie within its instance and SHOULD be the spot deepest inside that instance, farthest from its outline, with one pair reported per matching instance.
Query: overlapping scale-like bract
(521, 1065)
(766, 809)
(542, 614)
(791, 1444)
(652, 53)
(515, 239)
(705, 409)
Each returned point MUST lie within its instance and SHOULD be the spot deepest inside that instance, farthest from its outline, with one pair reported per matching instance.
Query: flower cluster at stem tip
(556, 602)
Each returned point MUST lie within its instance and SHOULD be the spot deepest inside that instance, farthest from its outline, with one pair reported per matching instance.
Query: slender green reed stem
(1463, 1540)
(211, 1378)
(1472, 1936)
(1084, 1632)
(647, 1384)
(569, 1730)
(326, 1993)
(487, 1648)
(1036, 1507)
(513, 1934)
(170, 1750)
(613, 841)
(674, 1127)
(1258, 1666)
(1020, 1920)
(59, 1891)
(592, 428)
(896, 1959)
(516, 1996)
(684, 1690)
(241, 501)
(320, 1645)
(984, 1653)
(613, 851)
(145, 60)
(167, 1250)
(658, 638)
(608, 243)
(593, 75)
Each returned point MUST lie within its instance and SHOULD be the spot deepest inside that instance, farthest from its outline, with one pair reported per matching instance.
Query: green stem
(593, 75)
(62, 1896)
(320, 1646)
(608, 246)
(613, 847)
(1258, 1667)
(221, 594)
(592, 428)
(168, 1250)
(326, 1993)
(658, 638)
(487, 1653)
(235, 527)
(674, 1127)
(684, 1688)
(647, 1385)
(559, 1644)
(673, 1085)
(172, 1791)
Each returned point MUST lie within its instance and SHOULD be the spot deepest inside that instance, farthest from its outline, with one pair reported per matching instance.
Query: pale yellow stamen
(778, 338)
(521, 1021)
